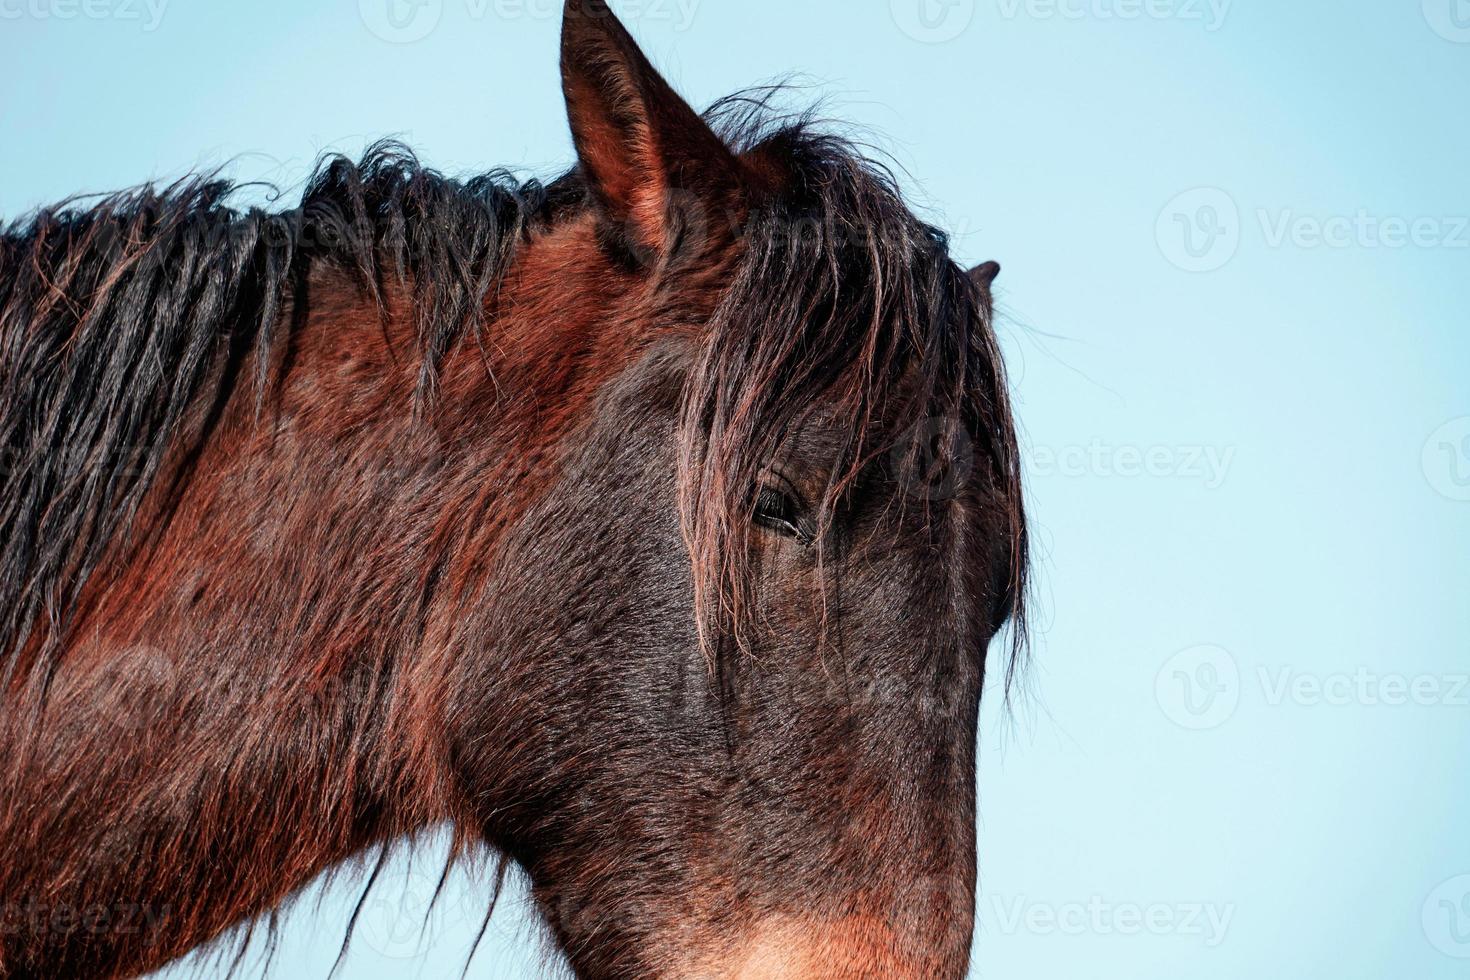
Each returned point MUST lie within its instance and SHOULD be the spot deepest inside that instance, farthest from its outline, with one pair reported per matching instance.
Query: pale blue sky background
(1247, 749)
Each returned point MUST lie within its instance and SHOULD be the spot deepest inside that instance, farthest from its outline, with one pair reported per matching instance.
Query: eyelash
(777, 511)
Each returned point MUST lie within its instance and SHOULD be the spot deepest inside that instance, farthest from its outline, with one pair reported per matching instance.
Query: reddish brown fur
(240, 552)
(348, 611)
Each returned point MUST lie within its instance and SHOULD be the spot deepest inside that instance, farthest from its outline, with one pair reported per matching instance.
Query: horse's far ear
(646, 155)
(984, 275)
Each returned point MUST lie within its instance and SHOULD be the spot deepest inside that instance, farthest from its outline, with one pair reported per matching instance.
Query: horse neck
(253, 689)
(236, 705)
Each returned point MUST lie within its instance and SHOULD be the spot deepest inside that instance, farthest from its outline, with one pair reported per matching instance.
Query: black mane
(844, 302)
(120, 316)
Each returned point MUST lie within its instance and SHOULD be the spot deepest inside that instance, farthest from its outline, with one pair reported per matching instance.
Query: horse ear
(646, 155)
(984, 274)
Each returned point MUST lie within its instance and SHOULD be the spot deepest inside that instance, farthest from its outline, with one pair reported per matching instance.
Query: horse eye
(777, 512)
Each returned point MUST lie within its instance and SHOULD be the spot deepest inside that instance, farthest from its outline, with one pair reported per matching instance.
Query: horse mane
(124, 318)
(127, 322)
(845, 304)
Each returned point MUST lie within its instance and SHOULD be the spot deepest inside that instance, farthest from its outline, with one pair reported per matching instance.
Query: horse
(648, 527)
